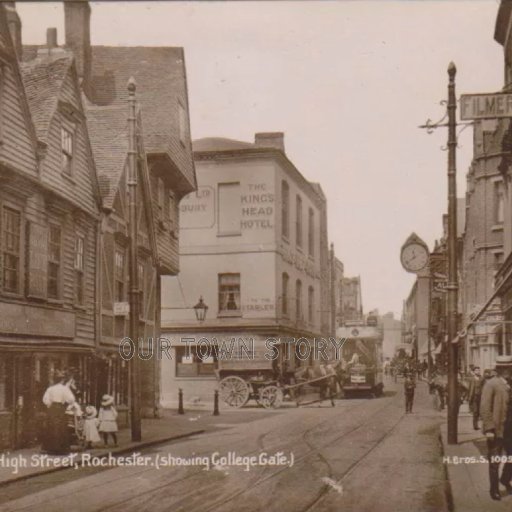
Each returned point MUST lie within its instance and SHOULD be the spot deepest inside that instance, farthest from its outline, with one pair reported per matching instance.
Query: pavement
(405, 458)
(171, 427)
(467, 469)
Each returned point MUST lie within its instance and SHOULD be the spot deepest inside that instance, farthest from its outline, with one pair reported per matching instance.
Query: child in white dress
(91, 426)
(108, 417)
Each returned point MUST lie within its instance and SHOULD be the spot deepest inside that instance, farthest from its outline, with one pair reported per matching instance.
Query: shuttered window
(54, 252)
(11, 249)
(79, 268)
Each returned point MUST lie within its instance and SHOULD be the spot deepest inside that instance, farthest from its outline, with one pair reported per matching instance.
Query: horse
(328, 386)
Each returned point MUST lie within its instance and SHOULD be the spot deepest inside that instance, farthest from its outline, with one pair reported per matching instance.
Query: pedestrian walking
(409, 387)
(57, 398)
(108, 419)
(496, 413)
(475, 394)
(91, 423)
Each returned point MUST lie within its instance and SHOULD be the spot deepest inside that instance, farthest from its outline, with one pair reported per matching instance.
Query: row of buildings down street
(63, 196)
(484, 249)
(233, 223)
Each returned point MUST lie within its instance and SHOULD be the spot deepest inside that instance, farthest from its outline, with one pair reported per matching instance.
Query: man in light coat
(496, 414)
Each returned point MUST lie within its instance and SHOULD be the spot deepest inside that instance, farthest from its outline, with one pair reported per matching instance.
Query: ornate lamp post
(200, 310)
(452, 284)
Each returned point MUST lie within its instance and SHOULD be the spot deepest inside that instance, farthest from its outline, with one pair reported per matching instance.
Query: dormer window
(67, 149)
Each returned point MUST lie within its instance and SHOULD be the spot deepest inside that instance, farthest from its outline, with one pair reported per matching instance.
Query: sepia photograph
(256, 256)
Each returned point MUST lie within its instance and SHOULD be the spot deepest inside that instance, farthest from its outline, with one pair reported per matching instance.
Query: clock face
(414, 257)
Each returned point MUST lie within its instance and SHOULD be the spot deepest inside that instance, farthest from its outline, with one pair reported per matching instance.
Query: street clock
(414, 254)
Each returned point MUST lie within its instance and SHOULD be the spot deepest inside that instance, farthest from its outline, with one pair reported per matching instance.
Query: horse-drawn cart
(267, 384)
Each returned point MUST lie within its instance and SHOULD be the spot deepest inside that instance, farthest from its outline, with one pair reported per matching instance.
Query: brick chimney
(77, 22)
(270, 140)
(14, 24)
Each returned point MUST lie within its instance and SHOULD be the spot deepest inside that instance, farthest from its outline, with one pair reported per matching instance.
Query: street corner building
(254, 246)
(64, 224)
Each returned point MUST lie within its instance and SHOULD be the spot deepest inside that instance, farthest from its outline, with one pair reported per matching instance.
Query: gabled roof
(161, 82)
(7, 50)
(108, 133)
(43, 79)
(219, 144)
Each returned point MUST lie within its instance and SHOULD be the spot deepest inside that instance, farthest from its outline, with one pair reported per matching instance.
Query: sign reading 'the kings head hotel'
(485, 106)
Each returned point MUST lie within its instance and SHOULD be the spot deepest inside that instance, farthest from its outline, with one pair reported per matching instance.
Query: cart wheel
(271, 397)
(234, 391)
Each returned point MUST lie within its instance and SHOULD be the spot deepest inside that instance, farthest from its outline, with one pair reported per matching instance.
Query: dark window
(54, 251)
(298, 223)
(285, 209)
(311, 232)
(298, 299)
(311, 304)
(119, 274)
(499, 203)
(196, 361)
(229, 293)
(286, 279)
(11, 249)
(79, 268)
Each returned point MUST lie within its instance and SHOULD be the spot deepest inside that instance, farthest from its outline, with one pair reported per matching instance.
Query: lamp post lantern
(200, 309)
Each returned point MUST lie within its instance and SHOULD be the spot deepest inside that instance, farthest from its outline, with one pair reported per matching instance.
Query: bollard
(180, 402)
(216, 403)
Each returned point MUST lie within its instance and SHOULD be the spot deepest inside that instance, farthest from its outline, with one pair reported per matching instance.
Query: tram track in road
(325, 488)
(263, 474)
(339, 480)
(180, 497)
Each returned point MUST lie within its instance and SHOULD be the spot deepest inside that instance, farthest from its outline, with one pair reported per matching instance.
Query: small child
(91, 426)
(107, 418)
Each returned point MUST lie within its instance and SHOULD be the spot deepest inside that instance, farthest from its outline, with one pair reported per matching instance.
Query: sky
(348, 82)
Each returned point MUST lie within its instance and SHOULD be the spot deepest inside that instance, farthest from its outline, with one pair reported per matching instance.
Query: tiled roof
(161, 85)
(219, 144)
(43, 78)
(108, 133)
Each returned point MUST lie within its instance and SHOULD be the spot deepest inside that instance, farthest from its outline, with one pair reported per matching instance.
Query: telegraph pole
(452, 286)
(134, 277)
